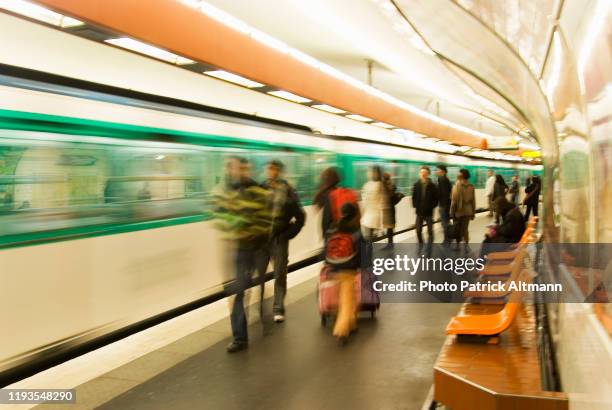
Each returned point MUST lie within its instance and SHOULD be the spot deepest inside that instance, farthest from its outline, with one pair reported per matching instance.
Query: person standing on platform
(463, 206)
(532, 197)
(375, 204)
(394, 198)
(500, 188)
(489, 190)
(242, 212)
(287, 220)
(444, 200)
(514, 190)
(424, 200)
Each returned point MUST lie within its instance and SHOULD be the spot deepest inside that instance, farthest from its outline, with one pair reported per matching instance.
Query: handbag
(452, 230)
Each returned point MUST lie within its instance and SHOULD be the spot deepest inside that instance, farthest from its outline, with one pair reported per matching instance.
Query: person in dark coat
(424, 200)
(509, 231)
(532, 196)
(499, 190)
(514, 190)
(444, 199)
(394, 198)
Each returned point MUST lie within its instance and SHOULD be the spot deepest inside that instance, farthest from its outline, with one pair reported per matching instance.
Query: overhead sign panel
(502, 143)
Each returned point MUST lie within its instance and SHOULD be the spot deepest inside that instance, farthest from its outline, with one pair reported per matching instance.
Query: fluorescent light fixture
(233, 78)
(263, 38)
(147, 49)
(359, 118)
(25, 8)
(530, 147)
(328, 108)
(289, 96)
(383, 125)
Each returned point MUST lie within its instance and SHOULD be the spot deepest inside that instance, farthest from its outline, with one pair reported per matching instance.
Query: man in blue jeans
(242, 213)
(444, 200)
(287, 220)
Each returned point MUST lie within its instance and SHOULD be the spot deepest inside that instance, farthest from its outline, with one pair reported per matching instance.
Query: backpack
(340, 248)
(339, 197)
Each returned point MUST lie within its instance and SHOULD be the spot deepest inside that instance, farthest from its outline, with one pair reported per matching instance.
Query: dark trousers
(463, 226)
(368, 254)
(530, 208)
(419, 228)
(278, 251)
(389, 235)
(445, 221)
(245, 263)
(515, 198)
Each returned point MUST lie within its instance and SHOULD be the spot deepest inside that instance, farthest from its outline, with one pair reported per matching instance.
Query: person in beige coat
(463, 205)
(375, 204)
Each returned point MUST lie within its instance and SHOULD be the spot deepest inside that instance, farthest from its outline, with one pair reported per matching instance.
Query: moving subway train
(105, 221)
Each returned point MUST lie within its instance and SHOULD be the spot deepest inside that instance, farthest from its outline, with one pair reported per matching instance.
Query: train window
(56, 183)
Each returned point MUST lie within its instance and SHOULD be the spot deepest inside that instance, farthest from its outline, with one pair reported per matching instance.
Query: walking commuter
(532, 197)
(330, 179)
(500, 188)
(463, 206)
(242, 212)
(514, 190)
(287, 220)
(344, 268)
(490, 184)
(444, 199)
(375, 204)
(424, 200)
(394, 198)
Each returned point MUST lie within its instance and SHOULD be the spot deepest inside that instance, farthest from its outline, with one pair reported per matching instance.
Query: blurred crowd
(260, 219)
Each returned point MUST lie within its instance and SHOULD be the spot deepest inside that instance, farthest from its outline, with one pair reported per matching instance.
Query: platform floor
(387, 364)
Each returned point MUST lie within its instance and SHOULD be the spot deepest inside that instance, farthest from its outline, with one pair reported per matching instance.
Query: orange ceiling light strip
(180, 29)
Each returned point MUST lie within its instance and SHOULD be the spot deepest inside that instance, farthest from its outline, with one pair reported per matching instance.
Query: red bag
(340, 248)
(339, 197)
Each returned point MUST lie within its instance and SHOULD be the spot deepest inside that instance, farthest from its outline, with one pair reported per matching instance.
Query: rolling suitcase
(329, 289)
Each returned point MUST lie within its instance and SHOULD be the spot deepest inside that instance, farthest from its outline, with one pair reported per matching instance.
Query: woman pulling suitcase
(340, 282)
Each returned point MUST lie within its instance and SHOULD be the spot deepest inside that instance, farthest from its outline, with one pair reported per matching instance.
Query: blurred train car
(104, 224)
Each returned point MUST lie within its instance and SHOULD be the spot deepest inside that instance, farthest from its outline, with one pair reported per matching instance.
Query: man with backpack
(287, 220)
(424, 200)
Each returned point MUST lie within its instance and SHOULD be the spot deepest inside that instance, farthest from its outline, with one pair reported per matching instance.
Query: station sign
(502, 143)
(531, 154)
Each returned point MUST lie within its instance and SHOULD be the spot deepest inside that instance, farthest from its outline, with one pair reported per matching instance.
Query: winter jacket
(499, 190)
(424, 204)
(512, 228)
(532, 193)
(375, 205)
(288, 217)
(242, 211)
(463, 200)
(444, 192)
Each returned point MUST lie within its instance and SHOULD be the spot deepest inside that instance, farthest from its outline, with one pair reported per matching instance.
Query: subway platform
(298, 364)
